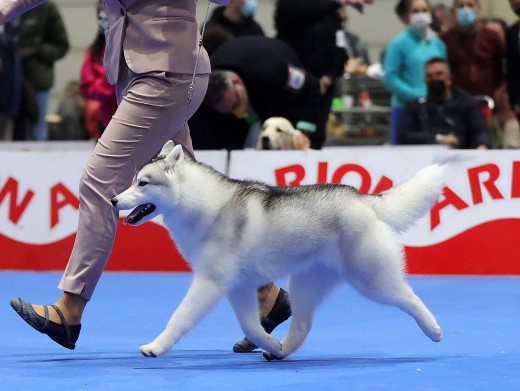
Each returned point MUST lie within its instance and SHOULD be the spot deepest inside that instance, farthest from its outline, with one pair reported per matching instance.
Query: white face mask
(420, 20)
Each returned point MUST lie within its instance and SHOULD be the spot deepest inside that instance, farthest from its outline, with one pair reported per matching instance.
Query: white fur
(239, 235)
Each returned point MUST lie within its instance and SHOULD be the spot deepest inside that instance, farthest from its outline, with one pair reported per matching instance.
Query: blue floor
(354, 345)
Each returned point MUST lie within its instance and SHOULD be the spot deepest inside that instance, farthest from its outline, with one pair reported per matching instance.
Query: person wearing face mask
(406, 55)
(513, 60)
(475, 51)
(236, 19)
(447, 115)
(93, 81)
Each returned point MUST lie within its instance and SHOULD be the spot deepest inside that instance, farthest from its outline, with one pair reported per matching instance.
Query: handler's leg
(152, 111)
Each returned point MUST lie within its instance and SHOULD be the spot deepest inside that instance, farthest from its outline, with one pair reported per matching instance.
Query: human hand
(482, 146)
(325, 83)
(449, 140)
(357, 4)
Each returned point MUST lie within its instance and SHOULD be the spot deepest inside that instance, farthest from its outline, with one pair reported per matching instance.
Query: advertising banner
(472, 229)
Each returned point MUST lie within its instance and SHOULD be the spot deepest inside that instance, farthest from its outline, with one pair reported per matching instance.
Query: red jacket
(94, 85)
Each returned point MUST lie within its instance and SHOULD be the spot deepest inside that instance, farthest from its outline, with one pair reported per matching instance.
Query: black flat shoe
(62, 334)
(280, 313)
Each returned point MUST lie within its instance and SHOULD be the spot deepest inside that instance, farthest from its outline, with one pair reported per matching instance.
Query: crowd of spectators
(313, 48)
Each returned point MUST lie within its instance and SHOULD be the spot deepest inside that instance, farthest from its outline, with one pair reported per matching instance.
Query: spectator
(513, 60)
(267, 80)
(406, 55)
(43, 40)
(442, 20)
(475, 51)
(236, 19)
(357, 52)
(71, 111)
(10, 80)
(448, 115)
(508, 126)
(313, 29)
(263, 78)
(93, 82)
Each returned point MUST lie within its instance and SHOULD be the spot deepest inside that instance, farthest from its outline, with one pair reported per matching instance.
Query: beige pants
(152, 110)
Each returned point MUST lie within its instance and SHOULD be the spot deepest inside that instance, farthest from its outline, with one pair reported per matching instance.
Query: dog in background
(238, 235)
(278, 134)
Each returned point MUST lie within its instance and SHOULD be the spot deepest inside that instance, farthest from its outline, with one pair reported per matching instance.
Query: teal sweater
(404, 64)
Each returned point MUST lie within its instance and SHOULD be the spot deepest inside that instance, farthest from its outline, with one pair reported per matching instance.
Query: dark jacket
(10, 72)
(309, 27)
(262, 63)
(422, 119)
(247, 27)
(42, 28)
(513, 63)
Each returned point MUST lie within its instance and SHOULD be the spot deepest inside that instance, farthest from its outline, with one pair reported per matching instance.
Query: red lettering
(323, 168)
(515, 181)
(384, 184)
(281, 173)
(450, 198)
(15, 210)
(476, 184)
(366, 181)
(61, 197)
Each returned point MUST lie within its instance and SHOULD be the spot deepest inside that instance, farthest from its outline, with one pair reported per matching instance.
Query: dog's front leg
(203, 294)
(244, 301)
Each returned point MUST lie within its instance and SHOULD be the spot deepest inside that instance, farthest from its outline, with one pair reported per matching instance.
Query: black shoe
(62, 334)
(280, 313)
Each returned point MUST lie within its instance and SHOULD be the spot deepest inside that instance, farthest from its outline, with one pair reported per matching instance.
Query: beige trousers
(152, 110)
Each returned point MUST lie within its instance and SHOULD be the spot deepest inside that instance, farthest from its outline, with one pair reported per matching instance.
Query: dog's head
(278, 133)
(153, 187)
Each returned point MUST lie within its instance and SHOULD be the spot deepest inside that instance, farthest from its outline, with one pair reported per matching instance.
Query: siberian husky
(239, 235)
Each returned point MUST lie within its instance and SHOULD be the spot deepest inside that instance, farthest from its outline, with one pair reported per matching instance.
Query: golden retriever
(278, 133)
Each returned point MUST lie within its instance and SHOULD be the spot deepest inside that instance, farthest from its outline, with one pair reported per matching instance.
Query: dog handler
(152, 55)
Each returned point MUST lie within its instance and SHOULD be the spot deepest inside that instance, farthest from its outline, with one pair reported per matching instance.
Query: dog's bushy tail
(402, 205)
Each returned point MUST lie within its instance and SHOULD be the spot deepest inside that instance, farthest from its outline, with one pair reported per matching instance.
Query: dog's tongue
(132, 217)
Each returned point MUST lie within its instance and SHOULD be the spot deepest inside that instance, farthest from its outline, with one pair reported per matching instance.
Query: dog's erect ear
(174, 156)
(166, 149)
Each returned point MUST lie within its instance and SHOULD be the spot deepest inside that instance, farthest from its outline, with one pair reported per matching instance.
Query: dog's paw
(435, 334)
(270, 357)
(152, 350)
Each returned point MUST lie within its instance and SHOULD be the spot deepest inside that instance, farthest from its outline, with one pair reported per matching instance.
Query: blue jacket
(404, 63)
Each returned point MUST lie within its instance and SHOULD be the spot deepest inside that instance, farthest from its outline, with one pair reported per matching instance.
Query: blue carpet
(354, 345)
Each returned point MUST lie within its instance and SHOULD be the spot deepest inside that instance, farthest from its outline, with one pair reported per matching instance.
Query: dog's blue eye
(142, 183)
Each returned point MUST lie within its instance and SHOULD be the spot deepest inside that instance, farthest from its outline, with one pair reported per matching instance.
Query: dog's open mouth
(139, 213)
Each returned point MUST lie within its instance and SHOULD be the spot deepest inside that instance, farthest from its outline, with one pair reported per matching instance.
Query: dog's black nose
(266, 144)
(114, 201)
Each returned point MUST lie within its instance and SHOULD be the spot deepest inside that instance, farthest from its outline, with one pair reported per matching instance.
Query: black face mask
(436, 88)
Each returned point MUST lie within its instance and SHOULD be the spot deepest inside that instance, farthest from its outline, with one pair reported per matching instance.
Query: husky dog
(239, 235)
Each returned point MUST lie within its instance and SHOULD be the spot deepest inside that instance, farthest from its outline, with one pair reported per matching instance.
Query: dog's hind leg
(307, 290)
(244, 300)
(203, 294)
(377, 274)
